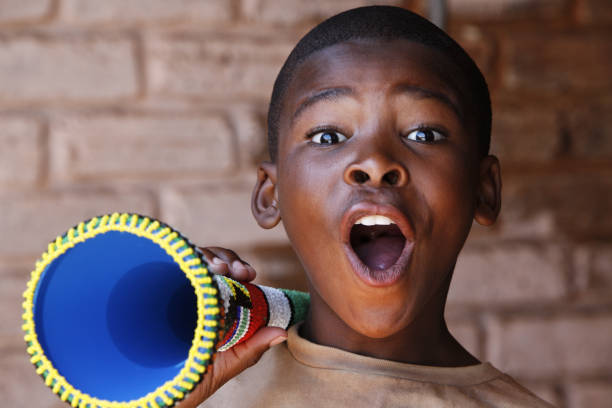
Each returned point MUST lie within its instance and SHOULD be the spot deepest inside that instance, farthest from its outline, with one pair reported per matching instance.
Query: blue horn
(121, 311)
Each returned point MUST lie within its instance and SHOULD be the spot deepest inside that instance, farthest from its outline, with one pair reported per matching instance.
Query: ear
(264, 203)
(488, 200)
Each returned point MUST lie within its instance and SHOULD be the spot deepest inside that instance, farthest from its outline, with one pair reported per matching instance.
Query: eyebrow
(337, 92)
(325, 94)
(424, 93)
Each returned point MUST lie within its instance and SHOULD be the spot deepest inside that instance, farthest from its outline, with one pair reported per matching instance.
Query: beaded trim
(248, 307)
(280, 314)
(236, 301)
(186, 256)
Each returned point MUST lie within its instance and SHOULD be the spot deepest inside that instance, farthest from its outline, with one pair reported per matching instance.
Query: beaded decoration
(249, 307)
(225, 308)
(184, 254)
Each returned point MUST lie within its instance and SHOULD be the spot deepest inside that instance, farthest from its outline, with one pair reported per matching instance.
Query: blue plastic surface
(115, 315)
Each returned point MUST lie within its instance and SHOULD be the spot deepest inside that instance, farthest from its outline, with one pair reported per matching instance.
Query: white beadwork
(225, 292)
(278, 306)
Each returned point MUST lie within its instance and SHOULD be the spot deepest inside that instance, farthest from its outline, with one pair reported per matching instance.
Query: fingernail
(277, 340)
(217, 261)
(238, 266)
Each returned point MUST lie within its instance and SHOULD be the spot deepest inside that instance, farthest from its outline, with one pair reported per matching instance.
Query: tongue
(380, 253)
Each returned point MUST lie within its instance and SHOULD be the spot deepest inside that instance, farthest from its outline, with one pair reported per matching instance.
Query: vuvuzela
(121, 311)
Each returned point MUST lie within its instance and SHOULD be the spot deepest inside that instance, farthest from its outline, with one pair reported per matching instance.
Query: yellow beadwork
(194, 270)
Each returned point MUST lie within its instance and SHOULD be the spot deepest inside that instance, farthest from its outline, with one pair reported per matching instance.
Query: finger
(244, 355)
(224, 254)
(239, 271)
(229, 364)
(251, 272)
(235, 267)
(215, 264)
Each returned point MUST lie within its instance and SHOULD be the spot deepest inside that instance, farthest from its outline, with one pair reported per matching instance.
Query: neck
(424, 341)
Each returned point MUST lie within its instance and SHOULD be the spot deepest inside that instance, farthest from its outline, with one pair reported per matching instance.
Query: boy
(379, 129)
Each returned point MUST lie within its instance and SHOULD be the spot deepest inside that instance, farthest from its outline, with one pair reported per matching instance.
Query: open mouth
(377, 241)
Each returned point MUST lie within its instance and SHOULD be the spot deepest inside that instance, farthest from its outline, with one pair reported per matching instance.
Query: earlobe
(488, 200)
(264, 203)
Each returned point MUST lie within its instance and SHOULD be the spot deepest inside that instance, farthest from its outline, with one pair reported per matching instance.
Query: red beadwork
(259, 312)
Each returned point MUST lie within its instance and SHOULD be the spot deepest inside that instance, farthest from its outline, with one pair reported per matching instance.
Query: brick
(507, 9)
(589, 394)
(21, 11)
(601, 263)
(549, 348)
(215, 217)
(417, 6)
(525, 134)
(146, 11)
(20, 151)
(301, 11)
(20, 386)
(558, 63)
(517, 223)
(14, 280)
(479, 45)
(593, 267)
(149, 147)
(252, 136)
(68, 69)
(206, 67)
(32, 220)
(594, 11)
(590, 130)
(574, 206)
(467, 334)
(508, 274)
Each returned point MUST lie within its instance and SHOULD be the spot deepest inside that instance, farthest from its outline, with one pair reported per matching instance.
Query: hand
(232, 362)
(226, 262)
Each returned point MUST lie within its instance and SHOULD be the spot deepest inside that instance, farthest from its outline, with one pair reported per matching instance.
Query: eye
(425, 135)
(328, 137)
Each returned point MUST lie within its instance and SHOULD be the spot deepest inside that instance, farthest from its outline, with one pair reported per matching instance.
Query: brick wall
(158, 107)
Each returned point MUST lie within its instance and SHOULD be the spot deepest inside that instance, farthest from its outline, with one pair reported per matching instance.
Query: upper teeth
(374, 220)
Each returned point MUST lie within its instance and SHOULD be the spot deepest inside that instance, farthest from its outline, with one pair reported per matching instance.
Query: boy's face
(372, 128)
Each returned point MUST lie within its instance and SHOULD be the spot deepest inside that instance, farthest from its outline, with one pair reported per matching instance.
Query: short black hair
(387, 23)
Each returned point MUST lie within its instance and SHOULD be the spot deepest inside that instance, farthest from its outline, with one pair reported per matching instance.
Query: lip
(377, 278)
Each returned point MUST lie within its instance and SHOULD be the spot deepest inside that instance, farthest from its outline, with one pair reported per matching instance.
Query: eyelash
(323, 129)
(420, 128)
(426, 128)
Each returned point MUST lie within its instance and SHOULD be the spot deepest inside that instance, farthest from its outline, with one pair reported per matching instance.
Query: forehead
(375, 65)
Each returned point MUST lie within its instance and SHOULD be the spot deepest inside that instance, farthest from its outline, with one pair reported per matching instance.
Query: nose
(377, 170)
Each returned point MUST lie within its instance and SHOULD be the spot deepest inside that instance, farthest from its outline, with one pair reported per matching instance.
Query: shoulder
(273, 376)
(302, 374)
(504, 391)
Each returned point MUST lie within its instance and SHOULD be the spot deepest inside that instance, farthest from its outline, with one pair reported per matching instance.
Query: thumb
(228, 364)
(246, 354)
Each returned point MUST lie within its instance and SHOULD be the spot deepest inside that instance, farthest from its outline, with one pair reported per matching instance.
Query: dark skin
(399, 144)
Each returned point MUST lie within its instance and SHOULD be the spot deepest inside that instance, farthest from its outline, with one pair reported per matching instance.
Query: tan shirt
(299, 373)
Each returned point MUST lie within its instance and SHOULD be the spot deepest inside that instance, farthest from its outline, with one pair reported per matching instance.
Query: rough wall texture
(158, 107)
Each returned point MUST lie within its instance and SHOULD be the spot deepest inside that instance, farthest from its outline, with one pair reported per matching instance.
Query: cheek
(310, 189)
(311, 205)
(302, 202)
(297, 190)
(450, 193)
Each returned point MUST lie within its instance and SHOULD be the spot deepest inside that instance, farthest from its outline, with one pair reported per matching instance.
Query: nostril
(391, 177)
(360, 176)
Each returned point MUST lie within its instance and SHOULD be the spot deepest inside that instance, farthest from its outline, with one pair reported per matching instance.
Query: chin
(378, 324)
